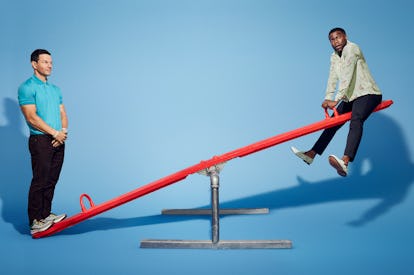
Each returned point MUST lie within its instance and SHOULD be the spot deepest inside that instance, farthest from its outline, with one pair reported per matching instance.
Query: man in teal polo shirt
(42, 107)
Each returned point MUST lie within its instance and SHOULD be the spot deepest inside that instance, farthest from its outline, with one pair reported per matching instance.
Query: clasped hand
(59, 139)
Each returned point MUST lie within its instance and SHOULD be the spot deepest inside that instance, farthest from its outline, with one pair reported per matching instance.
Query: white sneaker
(39, 226)
(339, 165)
(302, 155)
(55, 218)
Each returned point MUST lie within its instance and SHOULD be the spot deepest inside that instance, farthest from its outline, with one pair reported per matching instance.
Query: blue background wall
(152, 87)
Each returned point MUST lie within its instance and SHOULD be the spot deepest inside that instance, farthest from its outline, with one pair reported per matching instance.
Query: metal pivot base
(228, 211)
(198, 244)
(215, 243)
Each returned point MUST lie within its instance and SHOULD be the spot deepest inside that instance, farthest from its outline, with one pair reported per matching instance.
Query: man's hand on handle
(329, 104)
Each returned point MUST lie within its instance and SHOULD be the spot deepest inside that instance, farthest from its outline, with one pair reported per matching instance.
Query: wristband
(56, 134)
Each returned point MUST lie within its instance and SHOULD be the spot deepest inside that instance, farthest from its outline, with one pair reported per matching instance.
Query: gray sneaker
(302, 155)
(339, 165)
(39, 226)
(55, 218)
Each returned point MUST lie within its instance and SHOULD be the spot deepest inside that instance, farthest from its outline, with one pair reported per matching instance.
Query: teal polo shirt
(47, 98)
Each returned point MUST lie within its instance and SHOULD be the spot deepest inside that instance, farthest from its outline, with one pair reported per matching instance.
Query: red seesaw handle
(91, 204)
(335, 112)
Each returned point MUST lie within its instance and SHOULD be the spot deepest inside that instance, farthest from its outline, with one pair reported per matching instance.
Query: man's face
(338, 41)
(44, 65)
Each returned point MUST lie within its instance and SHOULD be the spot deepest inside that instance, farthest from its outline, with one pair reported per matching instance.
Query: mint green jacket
(350, 74)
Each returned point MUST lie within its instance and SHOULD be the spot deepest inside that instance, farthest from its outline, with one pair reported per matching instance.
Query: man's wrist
(55, 134)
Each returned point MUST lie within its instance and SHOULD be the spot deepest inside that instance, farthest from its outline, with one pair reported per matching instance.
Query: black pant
(361, 109)
(47, 163)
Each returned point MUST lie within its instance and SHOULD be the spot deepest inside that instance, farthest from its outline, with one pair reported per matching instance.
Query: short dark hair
(35, 54)
(337, 30)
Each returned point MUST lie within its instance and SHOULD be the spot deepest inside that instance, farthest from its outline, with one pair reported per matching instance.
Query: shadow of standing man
(15, 168)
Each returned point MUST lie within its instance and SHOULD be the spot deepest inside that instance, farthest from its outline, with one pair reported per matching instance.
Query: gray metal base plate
(222, 244)
(233, 211)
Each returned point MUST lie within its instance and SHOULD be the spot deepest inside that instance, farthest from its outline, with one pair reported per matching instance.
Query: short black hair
(35, 54)
(337, 30)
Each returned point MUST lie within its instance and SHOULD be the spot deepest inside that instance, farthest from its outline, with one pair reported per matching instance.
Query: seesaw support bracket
(215, 242)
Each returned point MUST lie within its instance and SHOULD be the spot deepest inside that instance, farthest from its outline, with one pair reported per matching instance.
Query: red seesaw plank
(94, 210)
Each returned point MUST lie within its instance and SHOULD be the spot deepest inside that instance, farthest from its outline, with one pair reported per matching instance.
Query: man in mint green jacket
(356, 91)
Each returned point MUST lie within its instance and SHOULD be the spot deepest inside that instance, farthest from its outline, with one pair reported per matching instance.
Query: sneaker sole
(60, 219)
(40, 229)
(335, 164)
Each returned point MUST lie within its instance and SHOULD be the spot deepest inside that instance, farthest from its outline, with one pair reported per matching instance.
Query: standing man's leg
(41, 155)
(54, 173)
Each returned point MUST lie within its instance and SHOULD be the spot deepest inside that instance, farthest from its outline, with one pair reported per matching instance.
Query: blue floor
(153, 87)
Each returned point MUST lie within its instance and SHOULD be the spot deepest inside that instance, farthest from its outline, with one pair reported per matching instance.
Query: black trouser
(361, 109)
(47, 163)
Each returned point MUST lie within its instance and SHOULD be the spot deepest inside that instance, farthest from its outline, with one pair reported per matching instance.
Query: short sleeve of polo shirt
(26, 95)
